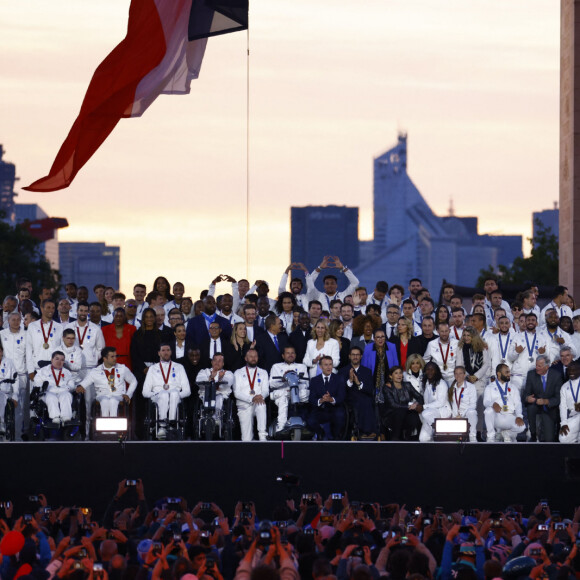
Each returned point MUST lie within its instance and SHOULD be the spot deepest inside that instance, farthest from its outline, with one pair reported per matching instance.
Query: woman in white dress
(318, 346)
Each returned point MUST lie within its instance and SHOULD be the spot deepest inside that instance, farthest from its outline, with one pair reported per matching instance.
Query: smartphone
(27, 518)
(78, 566)
(336, 496)
(85, 511)
(157, 547)
(130, 482)
(426, 521)
(46, 510)
(326, 519)
(204, 506)
(536, 552)
(245, 515)
(82, 553)
(204, 533)
(247, 506)
(404, 540)
(175, 500)
(32, 498)
(177, 537)
(559, 526)
(542, 528)
(464, 530)
(97, 567)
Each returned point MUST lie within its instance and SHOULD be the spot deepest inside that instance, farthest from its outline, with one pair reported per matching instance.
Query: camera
(265, 533)
(130, 482)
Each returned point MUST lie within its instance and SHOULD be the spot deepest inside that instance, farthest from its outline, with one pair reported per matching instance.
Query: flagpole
(248, 150)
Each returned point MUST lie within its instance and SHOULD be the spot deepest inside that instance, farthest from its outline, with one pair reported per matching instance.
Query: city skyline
(475, 87)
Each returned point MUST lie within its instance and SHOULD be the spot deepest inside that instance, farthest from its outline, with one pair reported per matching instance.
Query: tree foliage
(21, 256)
(541, 267)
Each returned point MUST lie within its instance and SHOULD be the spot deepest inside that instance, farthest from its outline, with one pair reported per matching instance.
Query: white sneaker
(491, 437)
(473, 438)
(161, 433)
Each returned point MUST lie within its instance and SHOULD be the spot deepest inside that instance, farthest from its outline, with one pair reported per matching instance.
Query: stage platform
(453, 475)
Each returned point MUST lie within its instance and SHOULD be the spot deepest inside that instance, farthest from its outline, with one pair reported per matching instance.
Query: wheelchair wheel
(296, 434)
(209, 428)
(35, 430)
(9, 421)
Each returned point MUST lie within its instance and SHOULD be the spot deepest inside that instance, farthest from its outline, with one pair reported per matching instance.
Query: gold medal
(505, 408)
(45, 346)
(445, 367)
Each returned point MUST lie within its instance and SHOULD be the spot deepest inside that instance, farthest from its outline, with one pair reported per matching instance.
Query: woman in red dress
(119, 335)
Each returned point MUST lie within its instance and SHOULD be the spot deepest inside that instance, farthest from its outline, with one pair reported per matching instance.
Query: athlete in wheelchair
(55, 407)
(214, 411)
(289, 389)
(8, 397)
(111, 386)
(165, 385)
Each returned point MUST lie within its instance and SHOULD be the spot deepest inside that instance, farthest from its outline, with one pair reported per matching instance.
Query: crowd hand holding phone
(346, 522)
(543, 507)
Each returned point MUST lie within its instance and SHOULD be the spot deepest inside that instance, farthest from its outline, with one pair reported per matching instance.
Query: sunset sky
(474, 83)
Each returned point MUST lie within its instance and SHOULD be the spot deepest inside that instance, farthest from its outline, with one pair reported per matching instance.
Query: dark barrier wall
(450, 474)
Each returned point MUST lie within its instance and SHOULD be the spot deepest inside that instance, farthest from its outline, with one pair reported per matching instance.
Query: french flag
(161, 54)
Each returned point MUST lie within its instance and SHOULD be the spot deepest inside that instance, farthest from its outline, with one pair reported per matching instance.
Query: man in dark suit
(270, 344)
(299, 338)
(541, 397)
(215, 344)
(566, 358)
(263, 311)
(252, 327)
(327, 395)
(198, 326)
(420, 345)
(360, 392)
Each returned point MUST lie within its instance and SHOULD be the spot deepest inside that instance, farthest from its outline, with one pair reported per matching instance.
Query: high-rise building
(411, 241)
(7, 180)
(548, 218)
(317, 231)
(90, 263)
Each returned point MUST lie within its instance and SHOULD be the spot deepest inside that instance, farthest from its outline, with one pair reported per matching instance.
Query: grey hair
(545, 358)
(565, 348)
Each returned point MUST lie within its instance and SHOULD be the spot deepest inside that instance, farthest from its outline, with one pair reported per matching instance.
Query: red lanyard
(165, 378)
(251, 381)
(57, 381)
(81, 340)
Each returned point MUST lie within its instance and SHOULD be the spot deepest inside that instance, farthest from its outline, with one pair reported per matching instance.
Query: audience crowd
(373, 363)
(315, 538)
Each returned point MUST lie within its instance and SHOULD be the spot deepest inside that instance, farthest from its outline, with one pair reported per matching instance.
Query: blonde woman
(414, 371)
(473, 354)
(403, 340)
(318, 346)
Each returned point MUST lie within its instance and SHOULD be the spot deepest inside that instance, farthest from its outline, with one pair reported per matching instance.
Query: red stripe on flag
(110, 94)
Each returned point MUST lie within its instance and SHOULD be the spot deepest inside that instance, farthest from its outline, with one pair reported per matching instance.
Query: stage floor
(453, 475)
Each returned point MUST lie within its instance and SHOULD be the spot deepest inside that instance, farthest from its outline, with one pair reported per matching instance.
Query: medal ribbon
(458, 399)
(165, 378)
(82, 339)
(502, 393)
(446, 353)
(57, 381)
(46, 336)
(251, 380)
(530, 350)
(501, 348)
(575, 394)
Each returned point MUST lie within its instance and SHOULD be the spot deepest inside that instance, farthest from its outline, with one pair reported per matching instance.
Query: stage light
(110, 428)
(451, 430)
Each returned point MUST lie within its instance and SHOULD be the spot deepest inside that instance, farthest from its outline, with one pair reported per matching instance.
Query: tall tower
(7, 180)
(389, 170)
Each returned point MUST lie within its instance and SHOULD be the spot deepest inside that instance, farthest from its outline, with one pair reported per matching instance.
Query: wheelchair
(296, 428)
(9, 433)
(164, 430)
(41, 426)
(123, 410)
(205, 424)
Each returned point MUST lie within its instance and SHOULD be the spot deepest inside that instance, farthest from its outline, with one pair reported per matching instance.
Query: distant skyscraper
(7, 180)
(317, 231)
(411, 241)
(88, 264)
(549, 218)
